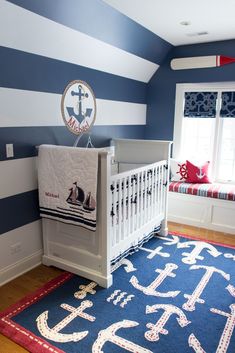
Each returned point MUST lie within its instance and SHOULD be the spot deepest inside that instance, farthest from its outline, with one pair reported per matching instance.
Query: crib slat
(124, 209)
(161, 188)
(158, 190)
(138, 201)
(145, 195)
(149, 193)
(135, 203)
(141, 198)
(118, 233)
(154, 191)
(132, 202)
(115, 219)
(129, 205)
(151, 196)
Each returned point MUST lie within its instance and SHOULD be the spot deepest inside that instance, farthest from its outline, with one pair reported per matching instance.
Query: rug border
(19, 334)
(183, 235)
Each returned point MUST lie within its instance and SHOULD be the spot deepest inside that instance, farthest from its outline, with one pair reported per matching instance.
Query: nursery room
(117, 187)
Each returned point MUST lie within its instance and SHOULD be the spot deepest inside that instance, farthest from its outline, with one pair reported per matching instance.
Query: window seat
(215, 190)
(207, 206)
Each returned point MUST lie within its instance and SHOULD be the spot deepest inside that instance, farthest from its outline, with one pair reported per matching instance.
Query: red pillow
(197, 174)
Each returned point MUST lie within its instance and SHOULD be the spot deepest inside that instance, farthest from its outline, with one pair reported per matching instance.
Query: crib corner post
(164, 228)
(105, 236)
(164, 223)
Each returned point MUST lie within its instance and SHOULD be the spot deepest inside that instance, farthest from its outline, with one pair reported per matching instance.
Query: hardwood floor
(34, 279)
(201, 233)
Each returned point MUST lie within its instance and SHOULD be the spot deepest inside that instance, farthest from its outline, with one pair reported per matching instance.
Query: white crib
(131, 207)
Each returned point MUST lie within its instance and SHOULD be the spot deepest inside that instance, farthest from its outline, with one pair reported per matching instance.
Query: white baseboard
(8, 273)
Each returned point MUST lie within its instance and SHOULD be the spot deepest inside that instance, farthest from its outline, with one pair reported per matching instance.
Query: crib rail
(137, 197)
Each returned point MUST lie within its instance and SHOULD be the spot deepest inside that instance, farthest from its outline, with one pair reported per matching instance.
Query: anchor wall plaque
(78, 107)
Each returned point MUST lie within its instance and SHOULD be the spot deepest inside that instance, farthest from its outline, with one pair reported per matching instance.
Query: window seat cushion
(214, 190)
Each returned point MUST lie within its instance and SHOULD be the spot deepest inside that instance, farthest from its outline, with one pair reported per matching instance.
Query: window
(205, 127)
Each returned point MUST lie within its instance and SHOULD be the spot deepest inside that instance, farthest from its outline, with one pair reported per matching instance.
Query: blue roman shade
(200, 104)
(228, 105)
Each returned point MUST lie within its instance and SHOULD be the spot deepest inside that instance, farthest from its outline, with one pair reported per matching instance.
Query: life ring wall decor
(78, 107)
(199, 62)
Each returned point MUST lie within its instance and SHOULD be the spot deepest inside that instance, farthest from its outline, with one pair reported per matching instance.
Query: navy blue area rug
(175, 295)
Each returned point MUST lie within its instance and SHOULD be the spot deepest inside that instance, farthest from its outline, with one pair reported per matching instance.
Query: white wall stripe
(120, 113)
(17, 176)
(18, 27)
(20, 108)
(28, 236)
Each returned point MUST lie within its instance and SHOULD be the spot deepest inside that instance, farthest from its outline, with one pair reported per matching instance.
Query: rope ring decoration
(78, 107)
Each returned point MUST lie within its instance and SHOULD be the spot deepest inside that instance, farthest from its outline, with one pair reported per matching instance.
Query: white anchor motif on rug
(126, 300)
(113, 295)
(151, 289)
(191, 258)
(89, 288)
(109, 335)
(120, 295)
(156, 329)
(225, 337)
(128, 266)
(195, 296)
(155, 252)
(231, 290)
(119, 298)
(228, 329)
(195, 344)
(54, 334)
(169, 241)
(229, 256)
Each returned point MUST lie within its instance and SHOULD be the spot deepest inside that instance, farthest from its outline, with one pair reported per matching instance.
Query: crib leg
(164, 228)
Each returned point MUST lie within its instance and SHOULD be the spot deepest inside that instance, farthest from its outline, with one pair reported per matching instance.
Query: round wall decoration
(78, 107)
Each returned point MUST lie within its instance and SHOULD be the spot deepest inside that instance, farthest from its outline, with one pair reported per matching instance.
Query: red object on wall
(223, 60)
(199, 62)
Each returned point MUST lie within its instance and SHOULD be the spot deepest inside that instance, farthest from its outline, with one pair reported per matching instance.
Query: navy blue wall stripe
(18, 210)
(101, 21)
(32, 72)
(161, 88)
(26, 138)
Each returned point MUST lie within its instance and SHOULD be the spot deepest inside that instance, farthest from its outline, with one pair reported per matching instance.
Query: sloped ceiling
(206, 20)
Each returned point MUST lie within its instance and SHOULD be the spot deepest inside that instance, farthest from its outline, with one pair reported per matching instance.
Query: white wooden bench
(198, 205)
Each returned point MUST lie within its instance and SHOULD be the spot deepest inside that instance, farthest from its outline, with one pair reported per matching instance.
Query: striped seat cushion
(215, 190)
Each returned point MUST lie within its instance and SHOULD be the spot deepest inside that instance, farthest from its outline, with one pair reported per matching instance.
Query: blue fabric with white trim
(200, 104)
(228, 105)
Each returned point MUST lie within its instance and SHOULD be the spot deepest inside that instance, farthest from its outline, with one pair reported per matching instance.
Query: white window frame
(181, 88)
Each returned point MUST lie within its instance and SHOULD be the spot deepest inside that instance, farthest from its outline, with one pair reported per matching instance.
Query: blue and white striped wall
(43, 46)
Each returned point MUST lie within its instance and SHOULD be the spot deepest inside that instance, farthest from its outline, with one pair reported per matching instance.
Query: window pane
(226, 160)
(197, 139)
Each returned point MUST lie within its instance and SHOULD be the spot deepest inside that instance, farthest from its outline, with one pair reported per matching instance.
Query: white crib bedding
(116, 261)
(134, 202)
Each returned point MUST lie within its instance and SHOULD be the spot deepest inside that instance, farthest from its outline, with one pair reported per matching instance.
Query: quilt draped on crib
(67, 178)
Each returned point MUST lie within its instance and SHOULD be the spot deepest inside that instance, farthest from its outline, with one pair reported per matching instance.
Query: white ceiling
(163, 17)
